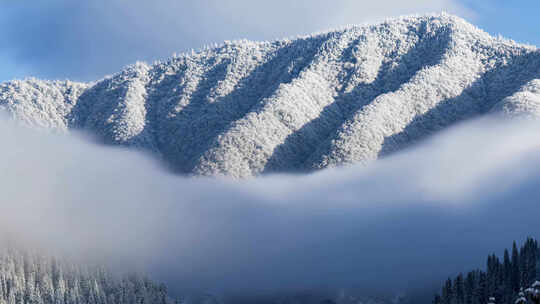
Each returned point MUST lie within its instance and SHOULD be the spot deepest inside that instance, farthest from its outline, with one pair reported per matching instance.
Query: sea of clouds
(400, 224)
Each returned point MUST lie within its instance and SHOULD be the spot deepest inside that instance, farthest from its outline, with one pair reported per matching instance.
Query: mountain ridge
(339, 97)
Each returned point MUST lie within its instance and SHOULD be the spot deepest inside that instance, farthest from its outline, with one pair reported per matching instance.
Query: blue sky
(513, 19)
(86, 40)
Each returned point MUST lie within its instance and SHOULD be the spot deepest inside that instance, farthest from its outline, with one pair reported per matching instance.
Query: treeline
(27, 278)
(503, 282)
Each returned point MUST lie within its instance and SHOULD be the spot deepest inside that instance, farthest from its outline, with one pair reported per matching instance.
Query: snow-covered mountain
(345, 96)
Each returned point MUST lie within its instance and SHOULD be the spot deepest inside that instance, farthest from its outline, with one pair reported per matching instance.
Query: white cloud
(87, 39)
(411, 219)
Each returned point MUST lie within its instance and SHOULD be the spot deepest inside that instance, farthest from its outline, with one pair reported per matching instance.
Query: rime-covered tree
(29, 278)
(533, 293)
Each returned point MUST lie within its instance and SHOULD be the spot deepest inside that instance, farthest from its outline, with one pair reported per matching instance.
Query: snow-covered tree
(521, 299)
(30, 278)
(501, 281)
(533, 292)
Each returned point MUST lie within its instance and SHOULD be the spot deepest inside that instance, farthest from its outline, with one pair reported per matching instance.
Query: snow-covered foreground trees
(503, 282)
(29, 278)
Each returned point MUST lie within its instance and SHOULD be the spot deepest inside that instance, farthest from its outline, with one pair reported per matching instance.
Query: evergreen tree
(533, 293)
(521, 299)
(33, 279)
(501, 280)
(459, 290)
(447, 292)
(507, 275)
(470, 286)
(515, 276)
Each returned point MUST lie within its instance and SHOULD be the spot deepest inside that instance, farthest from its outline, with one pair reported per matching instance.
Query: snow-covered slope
(345, 96)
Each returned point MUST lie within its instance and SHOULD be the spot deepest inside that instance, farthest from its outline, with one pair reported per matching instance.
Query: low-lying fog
(402, 223)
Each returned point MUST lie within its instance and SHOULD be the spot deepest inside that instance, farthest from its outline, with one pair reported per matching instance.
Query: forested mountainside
(512, 280)
(246, 108)
(28, 278)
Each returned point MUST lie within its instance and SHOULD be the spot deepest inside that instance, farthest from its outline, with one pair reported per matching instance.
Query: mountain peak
(245, 108)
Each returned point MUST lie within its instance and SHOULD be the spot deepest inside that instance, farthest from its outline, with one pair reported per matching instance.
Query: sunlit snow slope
(345, 96)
